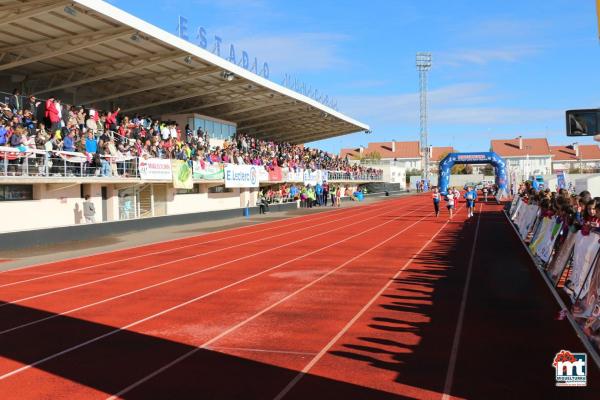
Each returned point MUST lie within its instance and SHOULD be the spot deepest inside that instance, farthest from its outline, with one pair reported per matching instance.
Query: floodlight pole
(423, 66)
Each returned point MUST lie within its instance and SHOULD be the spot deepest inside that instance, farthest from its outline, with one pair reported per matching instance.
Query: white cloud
(296, 52)
(485, 56)
(469, 103)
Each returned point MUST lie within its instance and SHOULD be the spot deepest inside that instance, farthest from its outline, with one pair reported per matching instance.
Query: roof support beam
(139, 64)
(274, 121)
(259, 116)
(18, 13)
(241, 97)
(171, 80)
(68, 47)
(319, 136)
(190, 95)
(258, 107)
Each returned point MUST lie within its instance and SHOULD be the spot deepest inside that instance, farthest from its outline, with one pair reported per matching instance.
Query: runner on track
(436, 200)
(450, 199)
(470, 196)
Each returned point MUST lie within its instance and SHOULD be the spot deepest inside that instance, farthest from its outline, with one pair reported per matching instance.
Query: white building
(405, 155)
(525, 157)
(583, 158)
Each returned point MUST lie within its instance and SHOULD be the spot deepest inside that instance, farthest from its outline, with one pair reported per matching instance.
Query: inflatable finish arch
(472, 158)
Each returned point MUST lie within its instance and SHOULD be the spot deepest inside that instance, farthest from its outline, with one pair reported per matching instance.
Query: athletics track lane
(176, 293)
(400, 345)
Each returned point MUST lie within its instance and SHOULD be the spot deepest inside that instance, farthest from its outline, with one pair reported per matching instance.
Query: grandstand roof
(585, 152)
(93, 53)
(521, 147)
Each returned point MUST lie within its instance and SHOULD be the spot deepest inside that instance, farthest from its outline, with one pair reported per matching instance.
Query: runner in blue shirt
(470, 196)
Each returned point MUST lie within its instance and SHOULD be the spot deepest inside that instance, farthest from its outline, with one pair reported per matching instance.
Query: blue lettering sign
(217, 48)
(201, 38)
(231, 58)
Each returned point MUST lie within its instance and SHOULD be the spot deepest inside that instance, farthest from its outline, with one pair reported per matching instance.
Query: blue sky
(500, 68)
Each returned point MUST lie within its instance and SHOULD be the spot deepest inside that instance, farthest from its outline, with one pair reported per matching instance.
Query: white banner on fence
(156, 169)
(312, 177)
(241, 176)
(294, 176)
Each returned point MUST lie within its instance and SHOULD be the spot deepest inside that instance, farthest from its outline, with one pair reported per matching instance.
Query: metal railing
(28, 162)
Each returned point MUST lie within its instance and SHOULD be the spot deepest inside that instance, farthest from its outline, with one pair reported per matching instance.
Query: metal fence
(25, 162)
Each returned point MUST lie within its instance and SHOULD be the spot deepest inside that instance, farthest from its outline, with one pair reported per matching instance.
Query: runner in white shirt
(450, 196)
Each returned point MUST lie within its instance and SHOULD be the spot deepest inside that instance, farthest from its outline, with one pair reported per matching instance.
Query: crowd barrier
(24, 161)
(569, 258)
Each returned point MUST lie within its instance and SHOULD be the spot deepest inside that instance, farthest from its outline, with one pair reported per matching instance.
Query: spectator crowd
(102, 136)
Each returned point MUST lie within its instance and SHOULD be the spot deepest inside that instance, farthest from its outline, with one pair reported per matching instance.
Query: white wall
(201, 202)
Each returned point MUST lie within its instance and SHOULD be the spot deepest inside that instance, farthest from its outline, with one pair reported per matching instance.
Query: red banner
(275, 174)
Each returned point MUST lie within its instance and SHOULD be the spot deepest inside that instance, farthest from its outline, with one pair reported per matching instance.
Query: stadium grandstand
(101, 103)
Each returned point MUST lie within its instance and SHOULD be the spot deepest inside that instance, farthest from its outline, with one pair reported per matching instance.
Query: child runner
(485, 193)
(436, 200)
(450, 205)
(470, 196)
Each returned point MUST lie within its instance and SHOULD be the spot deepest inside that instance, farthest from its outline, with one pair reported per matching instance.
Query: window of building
(219, 189)
(194, 190)
(16, 192)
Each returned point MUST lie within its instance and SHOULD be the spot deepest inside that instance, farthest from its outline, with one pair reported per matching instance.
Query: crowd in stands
(51, 125)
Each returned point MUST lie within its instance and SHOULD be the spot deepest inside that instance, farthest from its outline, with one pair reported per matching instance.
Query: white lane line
(345, 329)
(461, 317)
(251, 350)
(177, 260)
(263, 311)
(158, 314)
(179, 247)
(212, 267)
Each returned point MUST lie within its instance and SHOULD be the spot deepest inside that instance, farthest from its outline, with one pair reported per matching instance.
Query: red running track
(380, 301)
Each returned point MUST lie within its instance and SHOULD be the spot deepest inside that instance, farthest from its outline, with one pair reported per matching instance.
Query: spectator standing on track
(319, 194)
(89, 211)
(485, 193)
(435, 195)
(450, 197)
(338, 196)
(325, 193)
(470, 197)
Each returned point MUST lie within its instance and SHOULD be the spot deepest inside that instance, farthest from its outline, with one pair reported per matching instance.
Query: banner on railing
(208, 172)
(72, 156)
(275, 174)
(312, 177)
(182, 175)
(241, 176)
(577, 251)
(295, 176)
(155, 169)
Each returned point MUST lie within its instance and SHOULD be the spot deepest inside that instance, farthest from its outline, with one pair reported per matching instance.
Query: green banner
(182, 175)
(210, 172)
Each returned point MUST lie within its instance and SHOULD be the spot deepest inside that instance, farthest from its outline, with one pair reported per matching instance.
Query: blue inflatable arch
(472, 158)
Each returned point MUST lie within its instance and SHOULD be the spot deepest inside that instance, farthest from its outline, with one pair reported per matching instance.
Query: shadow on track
(510, 332)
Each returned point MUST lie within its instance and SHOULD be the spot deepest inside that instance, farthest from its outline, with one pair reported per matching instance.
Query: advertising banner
(155, 168)
(294, 176)
(561, 180)
(241, 176)
(182, 175)
(261, 172)
(208, 172)
(312, 177)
